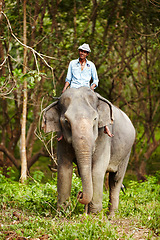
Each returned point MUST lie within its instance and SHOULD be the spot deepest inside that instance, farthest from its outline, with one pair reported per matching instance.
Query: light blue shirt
(78, 78)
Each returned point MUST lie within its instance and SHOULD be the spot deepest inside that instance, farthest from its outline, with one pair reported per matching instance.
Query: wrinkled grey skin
(81, 114)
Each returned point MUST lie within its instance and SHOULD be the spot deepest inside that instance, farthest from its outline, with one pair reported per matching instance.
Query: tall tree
(24, 113)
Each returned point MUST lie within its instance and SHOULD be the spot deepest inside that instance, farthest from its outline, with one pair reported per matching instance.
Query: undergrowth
(142, 201)
(30, 210)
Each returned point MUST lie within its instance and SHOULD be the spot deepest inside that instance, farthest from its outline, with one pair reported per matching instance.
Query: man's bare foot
(107, 131)
(60, 138)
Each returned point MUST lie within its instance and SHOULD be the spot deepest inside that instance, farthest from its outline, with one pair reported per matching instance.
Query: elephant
(79, 115)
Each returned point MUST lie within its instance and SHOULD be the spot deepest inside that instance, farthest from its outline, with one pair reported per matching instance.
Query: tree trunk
(24, 114)
(2, 70)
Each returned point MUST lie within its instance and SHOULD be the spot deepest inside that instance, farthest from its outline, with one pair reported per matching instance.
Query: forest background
(38, 39)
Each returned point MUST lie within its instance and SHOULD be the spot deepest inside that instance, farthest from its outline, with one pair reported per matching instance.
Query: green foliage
(2, 81)
(32, 77)
(38, 175)
(142, 200)
(36, 203)
(35, 197)
(86, 227)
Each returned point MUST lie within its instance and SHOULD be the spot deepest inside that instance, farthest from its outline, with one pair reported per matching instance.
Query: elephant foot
(111, 213)
(94, 208)
(62, 207)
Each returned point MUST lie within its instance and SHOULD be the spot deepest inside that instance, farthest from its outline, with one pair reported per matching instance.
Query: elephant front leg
(64, 185)
(64, 179)
(95, 205)
(98, 173)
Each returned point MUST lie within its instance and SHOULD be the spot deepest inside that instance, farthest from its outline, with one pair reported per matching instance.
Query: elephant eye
(95, 119)
(66, 122)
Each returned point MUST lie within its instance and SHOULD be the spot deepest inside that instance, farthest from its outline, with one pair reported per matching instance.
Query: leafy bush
(142, 200)
(34, 196)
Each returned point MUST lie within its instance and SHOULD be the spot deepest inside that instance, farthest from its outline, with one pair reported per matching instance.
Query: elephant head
(79, 115)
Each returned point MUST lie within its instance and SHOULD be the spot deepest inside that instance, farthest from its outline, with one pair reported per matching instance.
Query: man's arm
(94, 76)
(68, 78)
(65, 87)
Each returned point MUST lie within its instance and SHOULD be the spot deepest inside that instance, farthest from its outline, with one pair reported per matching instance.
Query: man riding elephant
(80, 115)
(80, 72)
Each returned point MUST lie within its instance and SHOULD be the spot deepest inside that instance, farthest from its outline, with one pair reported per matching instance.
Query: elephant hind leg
(115, 183)
(114, 189)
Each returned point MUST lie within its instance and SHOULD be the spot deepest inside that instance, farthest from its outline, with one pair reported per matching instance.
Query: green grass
(29, 211)
(142, 200)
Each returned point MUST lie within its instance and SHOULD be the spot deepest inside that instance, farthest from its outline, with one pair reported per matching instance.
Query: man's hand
(93, 86)
(65, 87)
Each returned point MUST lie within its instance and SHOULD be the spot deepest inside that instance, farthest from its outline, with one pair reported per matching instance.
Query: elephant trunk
(86, 196)
(83, 151)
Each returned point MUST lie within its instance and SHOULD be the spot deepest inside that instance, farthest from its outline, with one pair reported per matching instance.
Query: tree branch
(10, 156)
(36, 156)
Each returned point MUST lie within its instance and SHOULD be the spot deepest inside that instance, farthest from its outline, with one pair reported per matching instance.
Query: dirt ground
(124, 227)
(131, 230)
(127, 229)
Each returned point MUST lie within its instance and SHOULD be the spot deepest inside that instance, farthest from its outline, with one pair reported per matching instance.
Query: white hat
(85, 47)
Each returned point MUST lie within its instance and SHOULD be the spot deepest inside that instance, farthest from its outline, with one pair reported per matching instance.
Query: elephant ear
(50, 122)
(104, 109)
